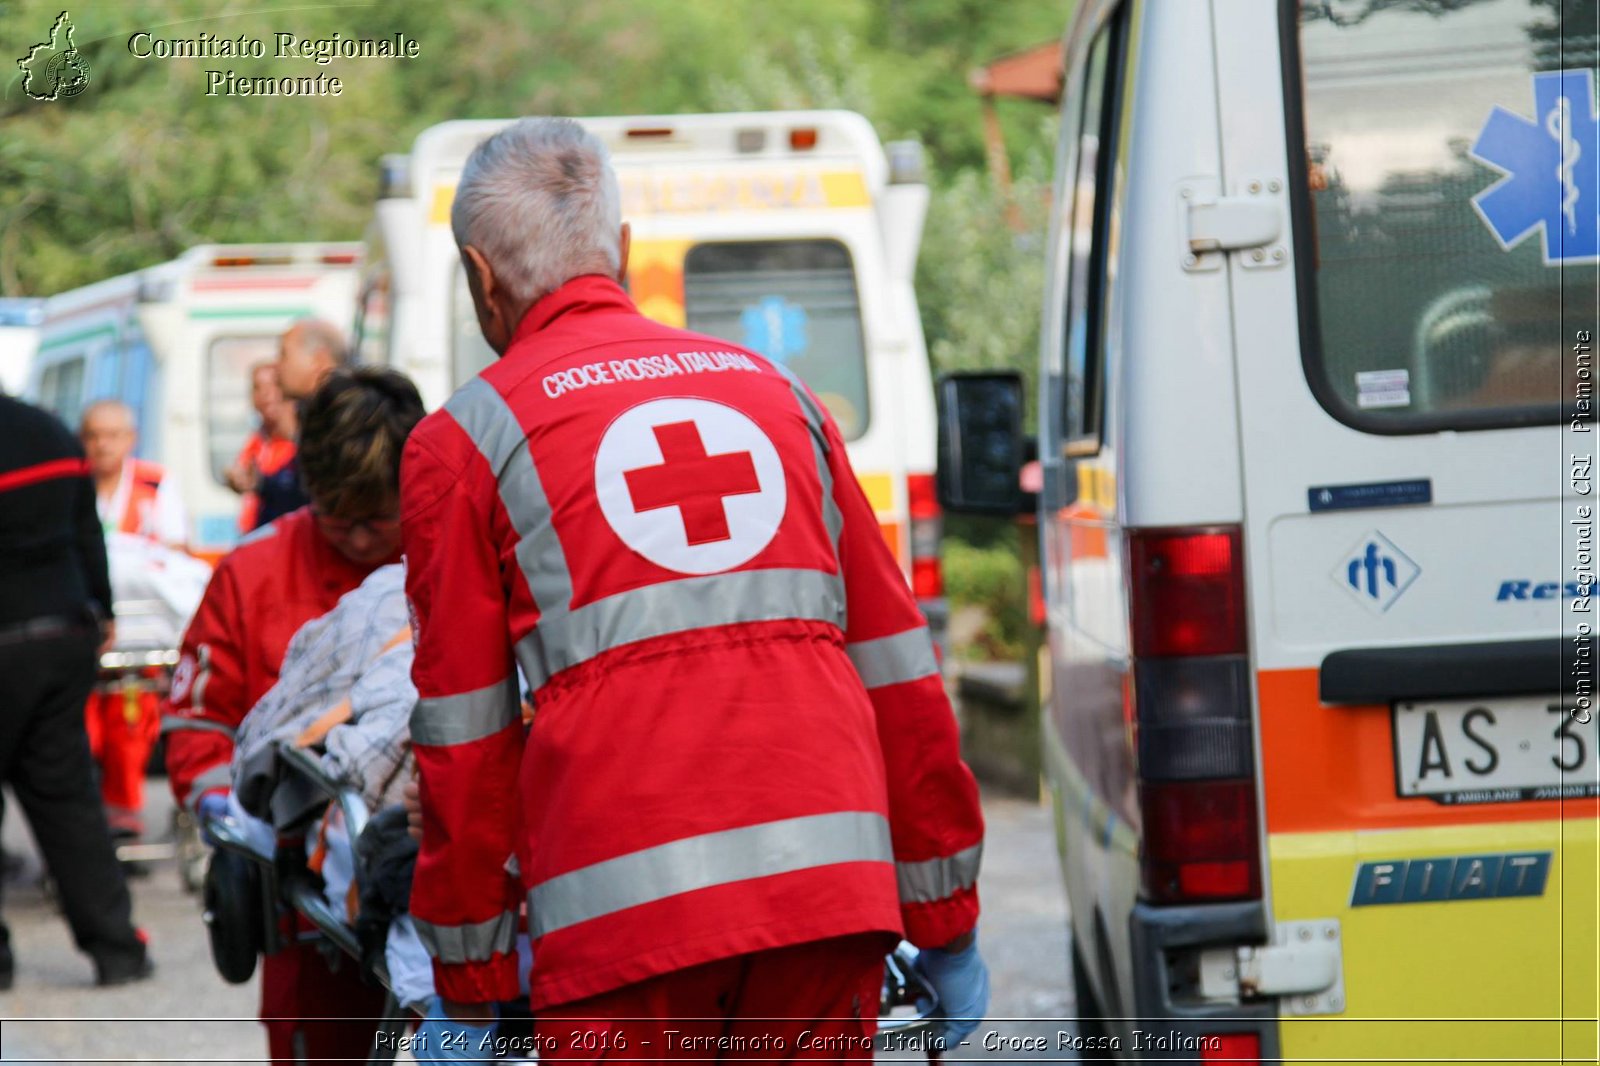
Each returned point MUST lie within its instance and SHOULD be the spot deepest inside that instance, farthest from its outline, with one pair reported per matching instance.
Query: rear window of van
(1451, 172)
(795, 302)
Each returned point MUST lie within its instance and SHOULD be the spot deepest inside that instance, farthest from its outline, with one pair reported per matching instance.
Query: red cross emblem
(692, 481)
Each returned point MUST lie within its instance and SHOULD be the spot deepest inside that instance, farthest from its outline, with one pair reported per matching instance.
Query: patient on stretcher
(345, 693)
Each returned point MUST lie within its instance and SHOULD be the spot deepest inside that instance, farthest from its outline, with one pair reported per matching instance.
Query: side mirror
(981, 448)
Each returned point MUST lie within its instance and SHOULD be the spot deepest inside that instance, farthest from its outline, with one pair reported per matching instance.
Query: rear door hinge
(1249, 222)
(1303, 967)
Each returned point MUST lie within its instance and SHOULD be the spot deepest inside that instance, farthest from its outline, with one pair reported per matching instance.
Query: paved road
(187, 1013)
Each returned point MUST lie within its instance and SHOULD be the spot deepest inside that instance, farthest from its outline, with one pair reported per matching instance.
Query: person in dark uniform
(55, 615)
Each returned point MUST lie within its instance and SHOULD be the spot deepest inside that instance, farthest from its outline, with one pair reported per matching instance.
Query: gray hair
(540, 201)
(318, 335)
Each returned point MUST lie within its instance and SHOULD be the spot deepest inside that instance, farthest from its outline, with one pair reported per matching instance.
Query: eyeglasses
(343, 527)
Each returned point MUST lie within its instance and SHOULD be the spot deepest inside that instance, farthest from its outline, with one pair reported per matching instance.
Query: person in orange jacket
(278, 578)
(138, 498)
(267, 451)
(132, 495)
(742, 780)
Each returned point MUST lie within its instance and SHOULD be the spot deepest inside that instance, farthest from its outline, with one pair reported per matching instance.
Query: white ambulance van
(790, 233)
(176, 343)
(1317, 526)
(19, 340)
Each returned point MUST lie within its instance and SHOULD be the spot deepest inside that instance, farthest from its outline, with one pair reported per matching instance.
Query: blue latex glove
(211, 805)
(962, 983)
(440, 1038)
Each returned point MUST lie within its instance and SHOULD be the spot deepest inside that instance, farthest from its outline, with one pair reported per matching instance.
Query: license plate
(1498, 750)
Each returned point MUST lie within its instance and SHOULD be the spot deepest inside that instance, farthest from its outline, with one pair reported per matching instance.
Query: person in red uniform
(742, 781)
(279, 578)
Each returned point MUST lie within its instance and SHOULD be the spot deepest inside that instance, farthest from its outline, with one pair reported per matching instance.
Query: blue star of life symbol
(775, 327)
(1552, 163)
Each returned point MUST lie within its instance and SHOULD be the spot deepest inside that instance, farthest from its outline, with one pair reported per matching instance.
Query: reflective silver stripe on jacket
(832, 517)
(677, 607)
(174, 723)
(906, 656)
(500, 438)
(468, 716)
(705, 861)
(473, 942)
(565, 637)
(218, 776)
(935, 879)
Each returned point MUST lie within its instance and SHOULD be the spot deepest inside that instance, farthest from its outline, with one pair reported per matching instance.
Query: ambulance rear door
(1407, 348)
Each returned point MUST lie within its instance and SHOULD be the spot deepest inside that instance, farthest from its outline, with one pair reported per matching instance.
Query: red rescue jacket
(740, 738)
(277, 579)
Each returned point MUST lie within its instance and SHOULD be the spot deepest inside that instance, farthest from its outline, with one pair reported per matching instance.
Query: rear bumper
(1170, 1025)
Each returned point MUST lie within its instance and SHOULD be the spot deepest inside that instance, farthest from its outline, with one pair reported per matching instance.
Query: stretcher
(156, 591)
(135, 674)
(907, 1004)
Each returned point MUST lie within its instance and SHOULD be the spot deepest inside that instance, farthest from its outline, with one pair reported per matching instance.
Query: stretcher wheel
(233, 902)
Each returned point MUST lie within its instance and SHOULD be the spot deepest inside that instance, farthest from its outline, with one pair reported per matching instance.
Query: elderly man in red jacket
(742, 781)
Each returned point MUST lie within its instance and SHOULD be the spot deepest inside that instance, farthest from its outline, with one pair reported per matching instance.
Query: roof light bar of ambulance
(1191, 696)
(251, 260)
(649, 133)
(927, 525)
(803, 138)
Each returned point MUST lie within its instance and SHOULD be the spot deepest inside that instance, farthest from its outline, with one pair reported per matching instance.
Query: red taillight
(927, 576)
(1200, 840)
(1187, 589)
(1242, 1048)
(803, 139)
(1191, 708)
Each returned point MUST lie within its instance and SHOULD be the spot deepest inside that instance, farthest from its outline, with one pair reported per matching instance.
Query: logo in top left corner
(55, 69)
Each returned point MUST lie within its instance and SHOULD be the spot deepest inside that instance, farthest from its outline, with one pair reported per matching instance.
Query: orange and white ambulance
(792, 233)
(19, 339)
(1317, 526)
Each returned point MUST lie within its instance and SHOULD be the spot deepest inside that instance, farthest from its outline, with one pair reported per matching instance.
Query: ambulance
(176, 343)
(794, 234)
(1316, 519)
(19, 339)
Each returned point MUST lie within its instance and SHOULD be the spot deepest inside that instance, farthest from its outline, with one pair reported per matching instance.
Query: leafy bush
(991, 579)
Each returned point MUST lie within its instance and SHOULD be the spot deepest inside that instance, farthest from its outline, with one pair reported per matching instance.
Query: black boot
(8, 963)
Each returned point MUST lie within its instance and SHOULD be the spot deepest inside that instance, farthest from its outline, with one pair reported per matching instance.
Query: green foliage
(143, 165)
(992, 579)
(980, 277)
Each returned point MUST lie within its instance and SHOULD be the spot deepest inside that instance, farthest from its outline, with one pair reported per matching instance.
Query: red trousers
(810, 1001)
(314, 1014)
(123, 724)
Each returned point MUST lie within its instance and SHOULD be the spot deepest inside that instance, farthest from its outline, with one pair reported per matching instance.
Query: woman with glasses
(278, 578)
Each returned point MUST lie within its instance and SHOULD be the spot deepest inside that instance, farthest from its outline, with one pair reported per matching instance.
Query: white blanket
(156, 590)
